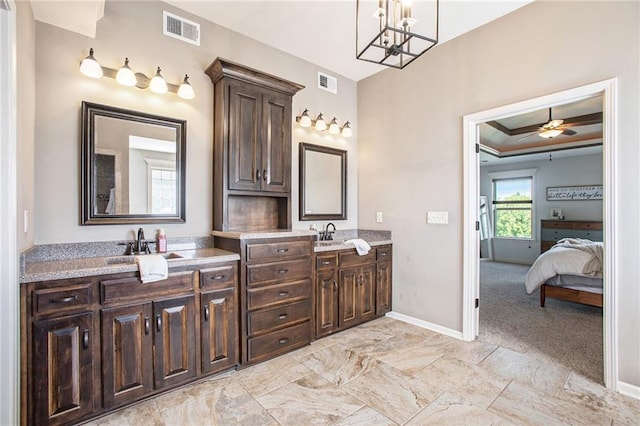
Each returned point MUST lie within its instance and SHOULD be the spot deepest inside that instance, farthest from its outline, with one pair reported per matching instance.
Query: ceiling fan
(552, 129)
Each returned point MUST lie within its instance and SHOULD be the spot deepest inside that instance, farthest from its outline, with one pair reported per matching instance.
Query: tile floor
(387, 372)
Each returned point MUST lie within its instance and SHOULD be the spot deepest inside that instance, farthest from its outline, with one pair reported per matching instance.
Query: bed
(571, 270)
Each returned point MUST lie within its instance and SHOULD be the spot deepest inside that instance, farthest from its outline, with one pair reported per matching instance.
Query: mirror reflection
(133, 166)
(323, 182)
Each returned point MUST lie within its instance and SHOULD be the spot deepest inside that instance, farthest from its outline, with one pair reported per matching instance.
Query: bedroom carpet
(563, 332)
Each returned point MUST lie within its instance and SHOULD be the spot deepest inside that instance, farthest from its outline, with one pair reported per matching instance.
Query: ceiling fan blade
(525, 137)
(583, 120)
(568, 132)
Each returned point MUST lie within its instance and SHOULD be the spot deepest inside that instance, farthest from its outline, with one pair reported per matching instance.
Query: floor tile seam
(414, 375)
(310, 372)
(499, 394)
(489, 354)
(425, 407)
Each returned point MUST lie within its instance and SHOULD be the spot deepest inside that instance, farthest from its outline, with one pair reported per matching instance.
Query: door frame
(10, 302)
(471, 263)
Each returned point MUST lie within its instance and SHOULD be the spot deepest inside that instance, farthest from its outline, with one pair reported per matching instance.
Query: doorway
(471, 255)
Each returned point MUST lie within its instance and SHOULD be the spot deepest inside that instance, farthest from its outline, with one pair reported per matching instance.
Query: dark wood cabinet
(94, 344)
(63, 369)
(175, 341)
(351, 289)
(252, 148)
(127, 353)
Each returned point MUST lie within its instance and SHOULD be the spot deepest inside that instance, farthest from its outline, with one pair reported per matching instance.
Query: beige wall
(542, 48)
(134, 29)
(26, 91)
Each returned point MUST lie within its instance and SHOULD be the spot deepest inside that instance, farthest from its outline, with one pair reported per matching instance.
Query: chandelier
(395, 32)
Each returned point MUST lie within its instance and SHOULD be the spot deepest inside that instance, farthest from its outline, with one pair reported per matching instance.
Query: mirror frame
(342, 215)
(89, 113)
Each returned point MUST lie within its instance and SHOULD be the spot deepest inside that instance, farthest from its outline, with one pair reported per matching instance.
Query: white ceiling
(319, 31)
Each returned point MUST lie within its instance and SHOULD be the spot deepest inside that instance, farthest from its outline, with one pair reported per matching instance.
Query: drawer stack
(278, 297)
(551, 231)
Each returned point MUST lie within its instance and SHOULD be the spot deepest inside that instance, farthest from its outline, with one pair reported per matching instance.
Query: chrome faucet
(327, 235)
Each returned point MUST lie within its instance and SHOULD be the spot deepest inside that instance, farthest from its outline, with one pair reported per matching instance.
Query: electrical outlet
(379, 217)
(441, 218)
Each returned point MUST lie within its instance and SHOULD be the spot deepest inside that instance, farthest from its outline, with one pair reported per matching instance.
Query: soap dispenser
(161, 241)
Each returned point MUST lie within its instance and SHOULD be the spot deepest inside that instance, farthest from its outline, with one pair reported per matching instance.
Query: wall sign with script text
(573, 193)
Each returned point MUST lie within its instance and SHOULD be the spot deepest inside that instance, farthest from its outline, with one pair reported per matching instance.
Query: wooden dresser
(553, 230)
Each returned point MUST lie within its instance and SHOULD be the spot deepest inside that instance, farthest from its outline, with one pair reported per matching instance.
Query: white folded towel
(153, 267)
(362, 247)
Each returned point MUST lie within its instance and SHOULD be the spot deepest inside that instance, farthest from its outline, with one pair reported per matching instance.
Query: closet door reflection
(486, 230)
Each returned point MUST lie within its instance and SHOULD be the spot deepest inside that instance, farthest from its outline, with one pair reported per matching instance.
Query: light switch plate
(379, 217)
(440, 218)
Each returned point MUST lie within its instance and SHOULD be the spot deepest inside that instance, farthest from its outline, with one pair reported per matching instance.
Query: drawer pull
(283, 340)
(264, 175)
(85, 339)
(206, 313)
(335, 285)
(64, 299)
(218, 277)
(158, 323)
(283, 250)
(282, 316)
(258, 174)
(283, 293)
(282, 271)
(326, 262)
(147, 325)
(383, 254)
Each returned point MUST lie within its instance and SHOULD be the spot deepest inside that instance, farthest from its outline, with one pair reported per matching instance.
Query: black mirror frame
(89, 112)
(342, 215)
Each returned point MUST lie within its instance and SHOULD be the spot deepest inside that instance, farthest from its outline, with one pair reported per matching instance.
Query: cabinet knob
(283, 340)
(206, 313)
(85, 339)
(147, 325)
(158, 323)
(283, 250)
(282, 271)
(283, 293)
(326, 262)
(217, 277)
(258, 174)
(282, 316)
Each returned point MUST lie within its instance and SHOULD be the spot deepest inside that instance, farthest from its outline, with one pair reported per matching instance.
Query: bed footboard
(569, 295)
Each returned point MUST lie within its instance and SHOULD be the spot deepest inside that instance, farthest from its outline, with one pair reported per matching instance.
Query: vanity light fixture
(320, 125)
(304, 120)
(127, 77)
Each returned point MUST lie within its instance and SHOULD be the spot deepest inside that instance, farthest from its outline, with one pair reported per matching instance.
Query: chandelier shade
(395, 32)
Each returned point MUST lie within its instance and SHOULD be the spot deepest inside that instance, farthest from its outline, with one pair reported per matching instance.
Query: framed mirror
(323, 183)
(133, 167)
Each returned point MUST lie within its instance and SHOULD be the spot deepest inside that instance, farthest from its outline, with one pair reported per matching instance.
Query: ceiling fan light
(554, 123)
(551, 133)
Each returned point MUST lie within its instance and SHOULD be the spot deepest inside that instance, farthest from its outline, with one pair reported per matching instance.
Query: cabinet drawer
(383, 253)
(555, 234)
(326, 261)
(218, 277)
(557, 224)
(596, 226)
(278, 342)
(275, 318)
(128, 289)
(589, 235)
(353, 258)
(278, 271)
(62, 299)
(278, 294)
(280, 250)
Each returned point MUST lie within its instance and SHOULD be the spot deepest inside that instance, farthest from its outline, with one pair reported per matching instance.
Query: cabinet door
(348, 297)
(326, 302)
(367, 293)
(244, 168)
(175, 338)
(219, 329)
(63, 362)
(383, 288)
(127, 354)
(276, 142)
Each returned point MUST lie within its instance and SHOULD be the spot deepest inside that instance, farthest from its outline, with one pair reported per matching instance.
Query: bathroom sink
(131, 259)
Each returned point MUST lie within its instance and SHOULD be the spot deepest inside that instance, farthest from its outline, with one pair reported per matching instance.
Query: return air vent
(180, 28)
(328, 83)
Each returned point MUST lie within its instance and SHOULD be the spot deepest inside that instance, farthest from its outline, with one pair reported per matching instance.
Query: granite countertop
(322, 246)
(275, 233)
(91, 266)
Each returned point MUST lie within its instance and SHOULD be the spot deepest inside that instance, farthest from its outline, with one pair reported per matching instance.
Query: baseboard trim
(632, 391)
(516, 261)
(425, 324)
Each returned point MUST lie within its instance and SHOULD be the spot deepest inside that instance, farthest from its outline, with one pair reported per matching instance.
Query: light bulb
(90, 67)
(157, 83)
(346, 130)
(305, 120)
(185, 91)
(125, 75)
(321, 125)
(551, 133)
(334, 129)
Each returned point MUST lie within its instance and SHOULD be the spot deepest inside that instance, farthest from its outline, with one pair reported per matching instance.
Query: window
(163, 191)
(512, 207)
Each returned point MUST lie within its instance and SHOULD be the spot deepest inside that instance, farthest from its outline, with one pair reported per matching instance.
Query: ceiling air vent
(180, 28)
(328, 83)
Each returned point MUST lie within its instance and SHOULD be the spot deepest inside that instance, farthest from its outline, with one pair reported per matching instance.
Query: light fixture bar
(304, 120)
(142, 81)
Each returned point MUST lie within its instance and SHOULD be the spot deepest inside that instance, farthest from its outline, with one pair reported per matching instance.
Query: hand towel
(153, 267)
(362, 247)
